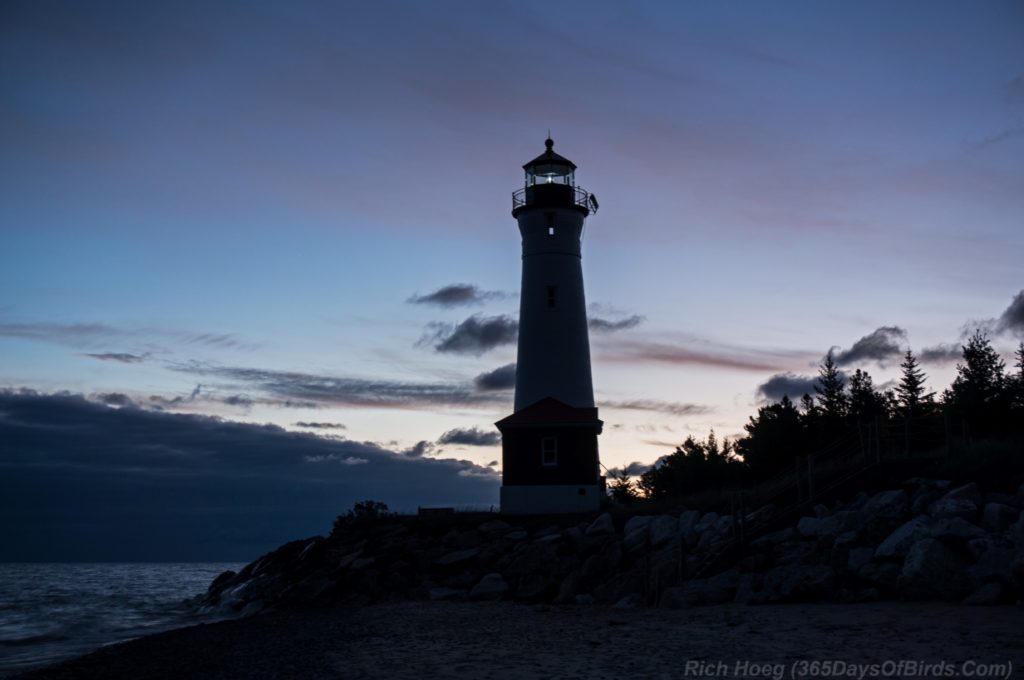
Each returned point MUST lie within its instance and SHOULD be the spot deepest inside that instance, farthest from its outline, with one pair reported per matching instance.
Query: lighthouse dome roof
(550, 162)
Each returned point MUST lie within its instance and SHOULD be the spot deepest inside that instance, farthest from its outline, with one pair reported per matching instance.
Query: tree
(864, 402)
(693, 466)
(621, 489)
(363, 512)
(1018, 377)
(775, 437)
(978, 393)
(831, 389)
(912, 398)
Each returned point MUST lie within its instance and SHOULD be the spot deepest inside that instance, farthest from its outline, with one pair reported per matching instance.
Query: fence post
(949, 434)
(810, 476)
(878, 437)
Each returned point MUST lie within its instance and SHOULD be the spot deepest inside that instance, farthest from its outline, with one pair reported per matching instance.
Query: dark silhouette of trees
(913, 400)
(775, 436)
(865, 403)
(693, 466)
(978, 394)
(1017, 380)
(849, 416)
(831, 389)
(621, 488)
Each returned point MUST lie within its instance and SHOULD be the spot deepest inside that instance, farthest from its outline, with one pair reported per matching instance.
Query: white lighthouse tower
(549, 445)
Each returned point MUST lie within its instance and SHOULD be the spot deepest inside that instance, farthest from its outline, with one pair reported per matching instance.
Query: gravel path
(500, 640)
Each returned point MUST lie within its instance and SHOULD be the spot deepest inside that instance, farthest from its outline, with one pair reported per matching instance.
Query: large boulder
(857, 558)
(490, 587)
(442, 594)
(569, 587)
(788, 584)
(829, 526)
(885, 505)
(494, 528)
(714, 590)
(457, 558)
(954, 531)
(639, 523)
(954, 507)
(707, 521)
(534, 558)
(635, 534)
(931, 571)
(990, 593)
(602, 526)
(603, 562)
(688, 525)
(993, 560)
(969, 492)
(883, 575)
(663, 530)
(899, 541)
(998, 517)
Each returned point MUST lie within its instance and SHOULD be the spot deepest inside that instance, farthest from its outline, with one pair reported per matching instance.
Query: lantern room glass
(550, 174)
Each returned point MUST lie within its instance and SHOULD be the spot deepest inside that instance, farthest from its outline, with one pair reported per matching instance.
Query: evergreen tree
(621, 489)
(831, 389)
(1018, 377)
(864, 402)
(913, 400)
(775, 437)
(978, 393)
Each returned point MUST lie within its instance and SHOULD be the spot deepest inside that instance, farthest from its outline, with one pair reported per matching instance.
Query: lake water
(50, 612)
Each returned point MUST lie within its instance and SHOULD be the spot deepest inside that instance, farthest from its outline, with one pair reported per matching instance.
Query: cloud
(880, 345)
(601, 325)
(1012, 318)
(119, 357)
(321, 426)
(673, 407)
(88, 334)
(307, 390)
(501, 378)
(475, 335)
(634, 469)
(334, 457)
(455, 295)
(1001, 136)
(74, 334)
(114, 399)
(701, 353)
(84, 481)
(419, 449)
(470, 437)
(941, 354)
(787, 385)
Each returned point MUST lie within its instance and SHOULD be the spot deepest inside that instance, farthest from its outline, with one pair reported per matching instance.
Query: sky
(257, 260)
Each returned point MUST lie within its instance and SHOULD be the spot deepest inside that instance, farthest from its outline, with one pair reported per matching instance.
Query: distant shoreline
(505, 640)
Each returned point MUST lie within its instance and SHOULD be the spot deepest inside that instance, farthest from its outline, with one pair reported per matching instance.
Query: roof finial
(549, 143)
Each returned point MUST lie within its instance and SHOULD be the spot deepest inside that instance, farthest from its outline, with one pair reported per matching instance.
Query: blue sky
(225, 208)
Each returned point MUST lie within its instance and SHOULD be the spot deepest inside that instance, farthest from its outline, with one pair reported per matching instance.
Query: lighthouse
(549, 444)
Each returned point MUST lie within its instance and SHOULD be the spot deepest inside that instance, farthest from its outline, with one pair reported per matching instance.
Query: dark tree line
(985, 399)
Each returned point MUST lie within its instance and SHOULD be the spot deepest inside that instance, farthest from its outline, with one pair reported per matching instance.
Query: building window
(551, 231)
(549, 451)
(552, 296)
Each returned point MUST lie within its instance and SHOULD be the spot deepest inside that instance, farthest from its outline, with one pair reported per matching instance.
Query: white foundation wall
(550, 499)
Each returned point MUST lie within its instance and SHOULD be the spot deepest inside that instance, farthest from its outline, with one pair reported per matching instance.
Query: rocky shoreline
(925, 540)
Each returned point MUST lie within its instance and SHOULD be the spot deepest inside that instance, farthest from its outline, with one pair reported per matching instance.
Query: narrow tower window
(552, 296)
(549, 219)
(549, 451)
(551, 231)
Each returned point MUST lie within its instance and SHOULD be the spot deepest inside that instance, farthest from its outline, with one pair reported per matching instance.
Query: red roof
(551, 411)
